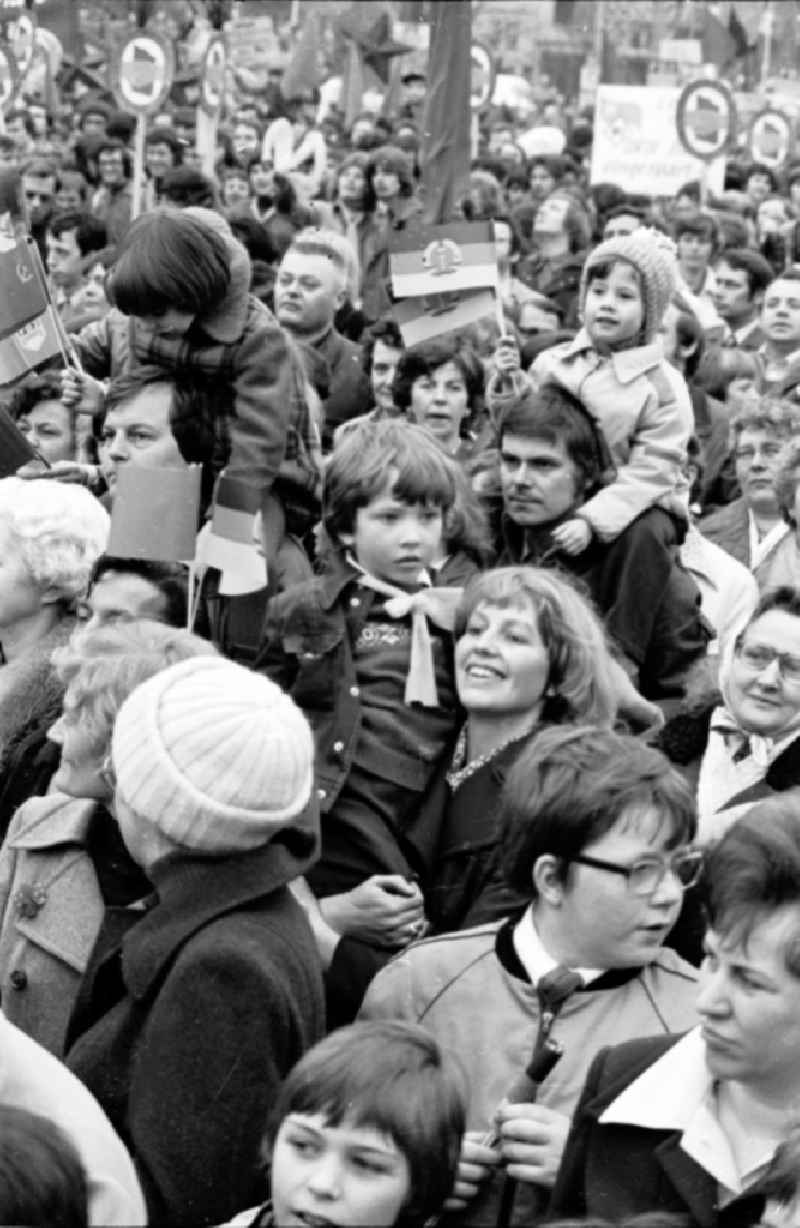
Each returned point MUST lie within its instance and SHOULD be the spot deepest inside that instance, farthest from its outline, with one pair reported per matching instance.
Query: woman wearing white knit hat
(185, 1040)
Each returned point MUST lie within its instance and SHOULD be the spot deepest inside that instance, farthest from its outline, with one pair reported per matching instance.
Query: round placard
(9, 77)
(706, 119)
(483, 75)
(212, 77)
(771, 138)
(144, 69)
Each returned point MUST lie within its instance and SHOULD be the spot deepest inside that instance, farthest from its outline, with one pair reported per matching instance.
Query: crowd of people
(453, 874)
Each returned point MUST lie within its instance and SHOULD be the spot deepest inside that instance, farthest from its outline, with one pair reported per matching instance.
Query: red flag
(22, 298)
(15, 450)
(445, 152)
(303, 70)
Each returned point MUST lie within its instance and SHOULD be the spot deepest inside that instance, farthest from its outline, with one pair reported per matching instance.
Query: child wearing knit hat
(615, 366)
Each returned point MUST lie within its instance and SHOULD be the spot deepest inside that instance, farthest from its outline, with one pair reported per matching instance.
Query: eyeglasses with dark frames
(647, 873)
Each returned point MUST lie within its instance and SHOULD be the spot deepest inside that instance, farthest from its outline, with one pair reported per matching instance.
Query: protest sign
(705, 118)
(636, 143)
(771, 138)
(155, 514)
(143, 73)
(441, 259)
(15, 450)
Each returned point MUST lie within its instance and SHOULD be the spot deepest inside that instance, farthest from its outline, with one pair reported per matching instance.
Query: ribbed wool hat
(215, 757)
(650, 254)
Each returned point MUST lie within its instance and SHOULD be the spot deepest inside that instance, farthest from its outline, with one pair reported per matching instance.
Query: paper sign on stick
(155, 514)
(15, 450)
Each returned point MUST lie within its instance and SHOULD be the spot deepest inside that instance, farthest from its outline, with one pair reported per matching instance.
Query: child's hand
(80, 391)
(476, 1164)
(532, 1139)
(573, 536)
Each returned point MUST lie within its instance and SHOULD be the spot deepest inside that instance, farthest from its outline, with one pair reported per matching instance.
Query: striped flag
(441, 259)
(445, 153)
(419, 319)
(232, 543)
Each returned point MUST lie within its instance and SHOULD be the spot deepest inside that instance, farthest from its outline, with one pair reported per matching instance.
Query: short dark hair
(691, 189)
(368, 456)
(36, 387)
(162, 135)
(42, 1177)
(110, 144)
(168, 260)
(758, 168)
(754, 870)
(625, 210)
(553, 414)
(702, 225)
(759, 271)
(394, 1077)
(571, 784)
(386, 330)
(395, 159)
(425, 358)
(90, 232)
(169, 578)
(184, 186)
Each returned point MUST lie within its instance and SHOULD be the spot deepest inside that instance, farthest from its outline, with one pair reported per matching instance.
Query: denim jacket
(307, 648)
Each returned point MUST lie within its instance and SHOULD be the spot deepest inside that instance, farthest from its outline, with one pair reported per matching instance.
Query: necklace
(460, 770)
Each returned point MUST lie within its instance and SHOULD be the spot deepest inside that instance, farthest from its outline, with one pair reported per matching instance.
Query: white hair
(61, 531)
(332, 246)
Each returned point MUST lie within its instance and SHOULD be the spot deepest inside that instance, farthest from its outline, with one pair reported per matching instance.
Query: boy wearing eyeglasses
(693, 1126)
(597, 835)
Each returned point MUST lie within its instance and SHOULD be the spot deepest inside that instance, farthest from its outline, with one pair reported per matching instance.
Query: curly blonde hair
(60, 532)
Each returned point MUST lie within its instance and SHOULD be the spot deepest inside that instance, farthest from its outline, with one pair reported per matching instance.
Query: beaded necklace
(460, 770)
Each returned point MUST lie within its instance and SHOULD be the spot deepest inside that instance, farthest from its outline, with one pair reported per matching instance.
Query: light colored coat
(643, 408)
(50, 912)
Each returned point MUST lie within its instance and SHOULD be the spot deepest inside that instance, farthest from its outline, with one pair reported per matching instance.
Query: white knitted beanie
(217, 758)
(646, 250)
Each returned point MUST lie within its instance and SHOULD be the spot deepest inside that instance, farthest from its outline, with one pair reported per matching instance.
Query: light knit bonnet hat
(650, 254)
(215, 757)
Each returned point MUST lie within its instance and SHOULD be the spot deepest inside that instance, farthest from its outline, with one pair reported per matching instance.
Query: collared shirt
(723, 775)
(678, 1093)
(762, 546)
(777, 367)
(535, 959)
(728, 591)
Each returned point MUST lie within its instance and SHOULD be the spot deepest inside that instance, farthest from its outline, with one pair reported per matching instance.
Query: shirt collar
(533, 956)
(678, 1093)
(627, 364)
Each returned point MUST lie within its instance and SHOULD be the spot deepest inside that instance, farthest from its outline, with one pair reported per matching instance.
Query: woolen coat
(189, 1025)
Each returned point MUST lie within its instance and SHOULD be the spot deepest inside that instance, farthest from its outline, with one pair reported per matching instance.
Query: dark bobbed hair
(168, 260)
(184, 186)
(553, 414)
(384, 329)
(361, 159)
(703, 225)
(372, 457)
(42, 1178)
(580, 686)
(36, 387)
(395, 1078)
(759, 271)
(169, 578)
(754, 871)
(393, 158)
(759, 168)
(162, 135)
(571, 784)
(425, 358)
(111, 144)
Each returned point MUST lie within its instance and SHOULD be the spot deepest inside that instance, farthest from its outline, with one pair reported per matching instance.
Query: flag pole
(68, 351)
(138, 165)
